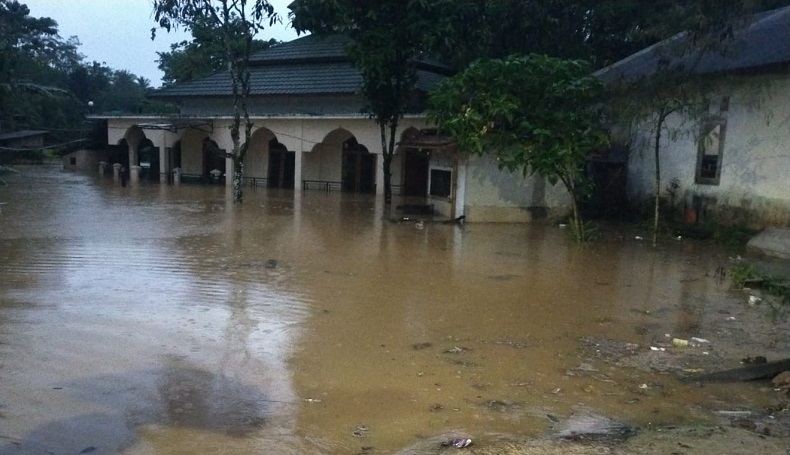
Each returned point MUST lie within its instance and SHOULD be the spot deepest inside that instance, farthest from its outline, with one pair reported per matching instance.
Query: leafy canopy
(535, 113)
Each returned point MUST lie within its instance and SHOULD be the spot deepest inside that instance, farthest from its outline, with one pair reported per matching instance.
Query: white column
(164, 160)
(134, 174)
(230, 169)
(460, 187)
(298, 171)
(132, 153)
(380, 173)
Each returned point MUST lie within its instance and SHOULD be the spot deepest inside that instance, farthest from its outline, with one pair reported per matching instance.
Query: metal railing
(324, 185)
(255, 182)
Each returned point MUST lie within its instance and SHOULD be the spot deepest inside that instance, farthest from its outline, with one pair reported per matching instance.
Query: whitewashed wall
(754, 187)
(500, 196)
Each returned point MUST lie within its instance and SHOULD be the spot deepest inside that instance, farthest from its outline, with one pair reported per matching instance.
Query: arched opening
(359, 168)
(416, 164)
(175, 155)
(282, 165)
(213, 161)
(119, 154)
(148, 160)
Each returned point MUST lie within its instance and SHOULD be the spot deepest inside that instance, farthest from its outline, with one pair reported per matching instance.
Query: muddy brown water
(150, 319)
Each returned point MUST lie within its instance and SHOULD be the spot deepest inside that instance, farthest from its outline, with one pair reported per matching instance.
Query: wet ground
(165, 320)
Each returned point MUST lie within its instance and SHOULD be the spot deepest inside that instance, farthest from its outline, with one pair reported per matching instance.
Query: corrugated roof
(763, 42)
(22, 134)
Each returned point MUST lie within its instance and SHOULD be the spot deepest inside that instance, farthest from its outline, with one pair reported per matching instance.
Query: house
(310, 134)
(729, 161)
(22, 146)
(84, 159)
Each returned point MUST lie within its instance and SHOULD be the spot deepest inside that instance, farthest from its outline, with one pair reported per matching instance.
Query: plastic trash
(460, 443)
(680, 343)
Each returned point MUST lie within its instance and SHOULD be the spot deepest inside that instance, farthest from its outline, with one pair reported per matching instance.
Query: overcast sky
(118, 32)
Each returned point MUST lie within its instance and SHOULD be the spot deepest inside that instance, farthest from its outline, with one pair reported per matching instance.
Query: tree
(601, 32)
(33, 64)
(536, 114)
(386, 38)
(203, 55)
(236, 23)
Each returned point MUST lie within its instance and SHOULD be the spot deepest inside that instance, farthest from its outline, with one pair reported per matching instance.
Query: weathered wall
(500, 196)
(754, 188)
(83, 160)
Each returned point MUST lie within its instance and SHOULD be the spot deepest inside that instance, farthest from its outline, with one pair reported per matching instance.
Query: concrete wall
(500, 196)
(754, 188)
(83, 160)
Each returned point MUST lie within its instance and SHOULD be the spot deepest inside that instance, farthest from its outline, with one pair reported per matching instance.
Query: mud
(148, 319)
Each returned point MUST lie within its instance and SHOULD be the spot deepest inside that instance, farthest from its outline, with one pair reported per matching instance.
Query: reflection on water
(162, 319)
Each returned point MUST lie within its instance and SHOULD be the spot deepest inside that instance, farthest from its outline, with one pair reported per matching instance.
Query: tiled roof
(763, 42)
(285, 79)
(310, 65)
(309, 47)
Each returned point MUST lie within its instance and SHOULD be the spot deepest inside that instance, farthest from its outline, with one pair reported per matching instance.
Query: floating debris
(460, 443)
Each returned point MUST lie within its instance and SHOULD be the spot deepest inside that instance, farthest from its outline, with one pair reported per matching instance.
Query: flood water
(166, 320)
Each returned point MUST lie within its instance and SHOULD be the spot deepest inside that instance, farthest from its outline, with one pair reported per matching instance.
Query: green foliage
(601, 32)
(536, 114)
(386, 37)
(236, 23)
(44, 84)
(203, 55)
(746, 274)
(743, 272)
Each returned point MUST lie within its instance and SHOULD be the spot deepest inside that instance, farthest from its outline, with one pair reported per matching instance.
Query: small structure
(24, 145)
(731, 163)
(85, 160)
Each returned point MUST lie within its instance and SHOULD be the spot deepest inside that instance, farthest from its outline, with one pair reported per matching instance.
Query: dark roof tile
(764, 41)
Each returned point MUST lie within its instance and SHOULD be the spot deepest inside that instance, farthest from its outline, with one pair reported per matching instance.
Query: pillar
(379, 174)
(116, 171)
(164, 160)
(134, 174)
(298, 170)
(230, 169)
(460, 188)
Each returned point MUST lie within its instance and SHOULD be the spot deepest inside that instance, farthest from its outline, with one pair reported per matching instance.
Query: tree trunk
(238, 173)
(657, 197)
(577, 224)
(387, 152)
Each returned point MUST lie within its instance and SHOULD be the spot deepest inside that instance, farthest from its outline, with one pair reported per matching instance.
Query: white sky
(118, 32)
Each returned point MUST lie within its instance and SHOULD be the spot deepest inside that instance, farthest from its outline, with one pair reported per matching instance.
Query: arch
(213, 161)
(282, 165)
(191, 154)
(358, 168)
(148, 160)
(415, 166)
(175, 155)
(119, 153)
(134, 136)
(268, 158)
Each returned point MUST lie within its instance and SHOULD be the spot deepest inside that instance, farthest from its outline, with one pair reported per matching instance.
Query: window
(73, 160)
(710, 150)
(441, 183)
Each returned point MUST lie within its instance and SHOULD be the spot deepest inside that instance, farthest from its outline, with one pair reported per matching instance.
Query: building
(729, 160)
(310, 134)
